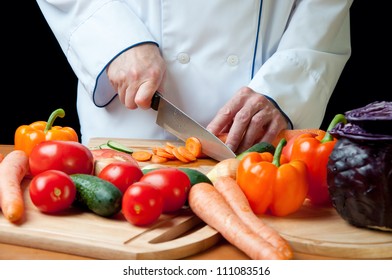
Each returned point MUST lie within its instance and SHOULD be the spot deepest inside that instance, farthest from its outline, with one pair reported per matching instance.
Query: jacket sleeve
(302, 70)
(92, 33)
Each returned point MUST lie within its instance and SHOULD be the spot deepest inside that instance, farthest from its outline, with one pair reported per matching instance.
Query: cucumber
(104, 146)
(98, 195)
(195, 176)
(119, 147)
(260, 147)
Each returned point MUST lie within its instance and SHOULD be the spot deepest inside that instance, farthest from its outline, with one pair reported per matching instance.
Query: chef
(249, 68)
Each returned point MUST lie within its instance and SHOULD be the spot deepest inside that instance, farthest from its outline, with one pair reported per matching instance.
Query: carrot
(193, 145)
(141, 155)
(237, 200)
(223, 136)
(179, 156)
(158, 159)
(207, 203)
(170, 145)
(13, 169)
(1, 157)
(291, 133)
(186, 153)
(168, 149)
(162, 152)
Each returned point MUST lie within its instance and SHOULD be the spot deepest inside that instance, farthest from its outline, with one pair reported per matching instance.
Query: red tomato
(52, 191)
(121, 174)
(174, 185)
(142, 204)
(68, 156)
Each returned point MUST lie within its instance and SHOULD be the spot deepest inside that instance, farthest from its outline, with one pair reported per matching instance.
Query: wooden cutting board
(318, 232)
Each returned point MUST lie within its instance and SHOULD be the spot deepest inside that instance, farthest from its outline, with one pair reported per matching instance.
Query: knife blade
(175, 121)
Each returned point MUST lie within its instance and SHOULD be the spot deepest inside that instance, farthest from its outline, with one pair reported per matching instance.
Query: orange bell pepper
(278, 188)
(315, 151)
(27, 136)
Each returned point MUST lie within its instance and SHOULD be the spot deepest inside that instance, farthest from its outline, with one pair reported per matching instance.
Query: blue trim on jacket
(290, 123)
(104, 69)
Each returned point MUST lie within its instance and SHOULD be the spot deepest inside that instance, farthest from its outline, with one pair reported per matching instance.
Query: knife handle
(155, 101)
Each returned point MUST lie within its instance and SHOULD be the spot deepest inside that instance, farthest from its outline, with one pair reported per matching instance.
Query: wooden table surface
(220, 251)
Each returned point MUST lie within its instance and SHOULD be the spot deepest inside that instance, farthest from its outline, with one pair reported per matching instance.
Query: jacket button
(183, 58)
(232, 60)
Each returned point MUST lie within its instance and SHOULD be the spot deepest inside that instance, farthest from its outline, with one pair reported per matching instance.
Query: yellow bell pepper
(28, 136)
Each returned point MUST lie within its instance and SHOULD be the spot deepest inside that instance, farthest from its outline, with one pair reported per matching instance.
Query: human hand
(137, 74)
(248, 118)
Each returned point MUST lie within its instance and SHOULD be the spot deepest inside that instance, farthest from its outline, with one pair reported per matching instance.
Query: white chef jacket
(291, 51)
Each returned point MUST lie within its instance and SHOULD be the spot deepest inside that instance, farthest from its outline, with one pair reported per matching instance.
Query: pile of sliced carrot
(189, 152)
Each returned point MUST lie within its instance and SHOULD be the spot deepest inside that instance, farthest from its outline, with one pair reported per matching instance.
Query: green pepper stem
(278, 152)
(56, 113)
(339, 118)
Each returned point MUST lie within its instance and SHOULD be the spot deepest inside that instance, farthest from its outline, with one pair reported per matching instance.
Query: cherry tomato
(174, 185)
(142, 204)
(68, 156)
(52, 191)
(121, 174)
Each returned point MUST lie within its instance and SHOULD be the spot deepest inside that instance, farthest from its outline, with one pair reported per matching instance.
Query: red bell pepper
(315, 153)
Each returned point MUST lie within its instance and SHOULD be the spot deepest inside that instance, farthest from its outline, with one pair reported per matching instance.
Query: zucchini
(195, 176)
(260, 147)
(98, 195)
(119, 147)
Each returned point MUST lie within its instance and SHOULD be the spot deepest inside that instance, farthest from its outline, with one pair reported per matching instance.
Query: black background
(37, 78)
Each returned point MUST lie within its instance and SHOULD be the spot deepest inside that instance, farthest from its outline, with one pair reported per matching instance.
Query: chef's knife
(182, 126)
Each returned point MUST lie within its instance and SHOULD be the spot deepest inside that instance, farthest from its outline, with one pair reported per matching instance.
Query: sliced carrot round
(171, 145)
(168, 149)
(193, 145)
(141, 155)
(163, 153)
(158, 159)
(179, 156)
(186, 153)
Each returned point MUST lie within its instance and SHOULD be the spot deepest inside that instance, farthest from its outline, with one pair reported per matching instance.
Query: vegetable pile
(360, 167)
(268, 178)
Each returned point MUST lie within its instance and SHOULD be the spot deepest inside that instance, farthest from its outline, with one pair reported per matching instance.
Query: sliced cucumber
(104, 146)
(119, 147)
